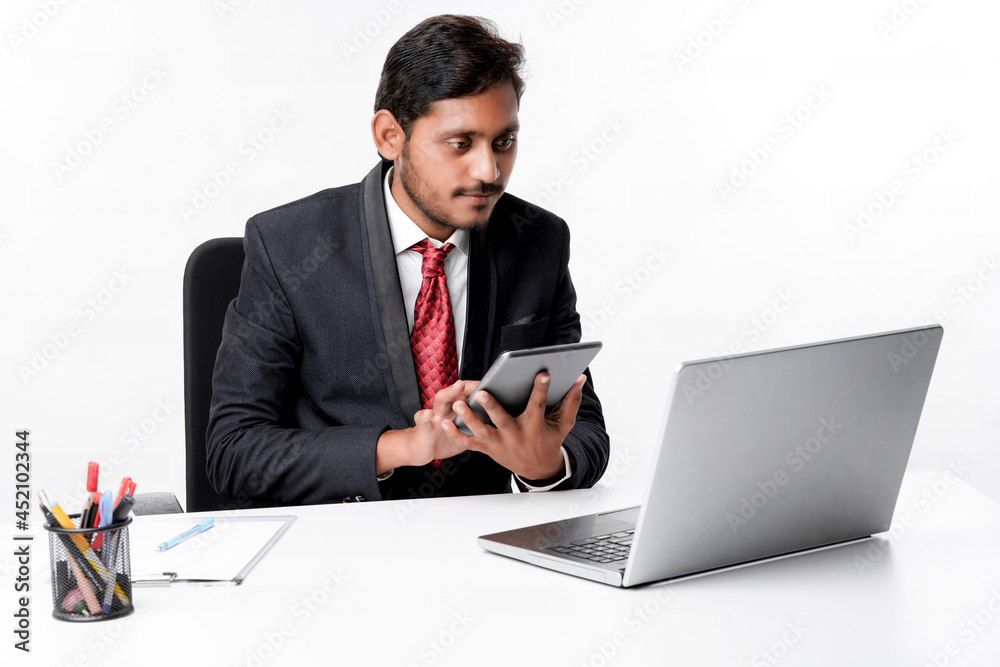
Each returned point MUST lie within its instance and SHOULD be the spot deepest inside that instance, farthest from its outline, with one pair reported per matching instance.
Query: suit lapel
(480, 314)
(389, 295)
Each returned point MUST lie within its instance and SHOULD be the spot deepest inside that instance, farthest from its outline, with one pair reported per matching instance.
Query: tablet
(512, 376)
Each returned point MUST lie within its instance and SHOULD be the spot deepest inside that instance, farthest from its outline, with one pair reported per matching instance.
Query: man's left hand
(527, 445)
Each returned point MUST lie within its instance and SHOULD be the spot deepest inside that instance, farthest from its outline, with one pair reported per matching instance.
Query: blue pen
(174, 541)
(106, 506)
(107, 512)
(107, 509)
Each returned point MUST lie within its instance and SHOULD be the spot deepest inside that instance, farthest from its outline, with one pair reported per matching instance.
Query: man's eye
(505, 143)
(458, 144)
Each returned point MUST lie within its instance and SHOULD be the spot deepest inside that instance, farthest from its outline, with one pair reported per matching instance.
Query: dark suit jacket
(315, 362)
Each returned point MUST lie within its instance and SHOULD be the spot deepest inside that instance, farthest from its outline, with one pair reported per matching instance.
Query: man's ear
(388, 135)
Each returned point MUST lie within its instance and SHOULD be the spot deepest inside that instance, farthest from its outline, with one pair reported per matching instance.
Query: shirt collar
(405, 232)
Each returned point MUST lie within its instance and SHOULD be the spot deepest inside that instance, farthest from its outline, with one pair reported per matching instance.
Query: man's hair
(445, 57)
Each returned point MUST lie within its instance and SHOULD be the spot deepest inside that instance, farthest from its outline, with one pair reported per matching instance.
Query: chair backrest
(211, 282)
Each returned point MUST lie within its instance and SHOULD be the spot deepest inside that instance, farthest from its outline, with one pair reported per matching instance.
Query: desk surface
(404, 583)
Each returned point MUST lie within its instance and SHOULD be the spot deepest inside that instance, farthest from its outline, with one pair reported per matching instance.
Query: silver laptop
(763, 455)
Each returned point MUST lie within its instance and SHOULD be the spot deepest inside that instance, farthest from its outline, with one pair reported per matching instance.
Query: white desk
(415, 589)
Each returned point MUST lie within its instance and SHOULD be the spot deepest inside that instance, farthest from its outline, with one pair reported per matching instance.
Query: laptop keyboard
(608, 548)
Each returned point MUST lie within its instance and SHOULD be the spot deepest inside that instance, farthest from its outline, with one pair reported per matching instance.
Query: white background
(663, 134)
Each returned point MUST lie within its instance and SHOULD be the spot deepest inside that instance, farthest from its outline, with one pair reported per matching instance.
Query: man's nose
(484, 165)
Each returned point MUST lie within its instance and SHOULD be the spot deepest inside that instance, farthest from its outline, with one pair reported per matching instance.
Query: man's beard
(415, 189)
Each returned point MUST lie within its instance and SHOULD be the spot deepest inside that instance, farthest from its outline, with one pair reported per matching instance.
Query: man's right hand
(426, 441)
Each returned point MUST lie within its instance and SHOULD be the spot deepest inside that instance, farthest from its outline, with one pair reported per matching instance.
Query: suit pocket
(520, 336)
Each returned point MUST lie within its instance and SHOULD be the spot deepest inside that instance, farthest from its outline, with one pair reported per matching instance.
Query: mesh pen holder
(91, 572)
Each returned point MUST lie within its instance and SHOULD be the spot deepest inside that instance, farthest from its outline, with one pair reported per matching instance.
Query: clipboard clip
(165, 580)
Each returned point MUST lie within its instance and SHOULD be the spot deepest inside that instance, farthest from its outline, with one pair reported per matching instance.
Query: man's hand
(426, 441)
(528, 445)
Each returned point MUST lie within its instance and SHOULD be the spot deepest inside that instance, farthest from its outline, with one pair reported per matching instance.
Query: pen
(106, 513)
(73, 543)
(122, 508)
(85, 588)
(85, 550)
(108, 553)
(124, 489)
(109, 589)
(95, 512)
(83, 582)
(86, 516)
(199, 528)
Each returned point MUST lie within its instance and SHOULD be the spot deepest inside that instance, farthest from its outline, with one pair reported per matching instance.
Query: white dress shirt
(404, 234)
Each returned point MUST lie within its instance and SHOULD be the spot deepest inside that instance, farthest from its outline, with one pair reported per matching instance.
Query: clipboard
(225, 558)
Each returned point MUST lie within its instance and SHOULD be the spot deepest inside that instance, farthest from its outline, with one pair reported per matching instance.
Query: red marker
(123, 489)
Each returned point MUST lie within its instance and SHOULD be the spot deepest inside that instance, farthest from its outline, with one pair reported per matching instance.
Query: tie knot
(433, 264)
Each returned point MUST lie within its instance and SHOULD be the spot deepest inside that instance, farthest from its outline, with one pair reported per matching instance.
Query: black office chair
(211, 282)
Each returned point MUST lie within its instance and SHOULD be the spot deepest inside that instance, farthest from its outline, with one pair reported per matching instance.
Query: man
(316, 393)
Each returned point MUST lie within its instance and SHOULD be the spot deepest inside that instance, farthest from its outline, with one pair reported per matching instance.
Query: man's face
(456, 163)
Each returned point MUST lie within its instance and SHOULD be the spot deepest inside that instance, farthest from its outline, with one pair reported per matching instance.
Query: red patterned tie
(433, 337)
